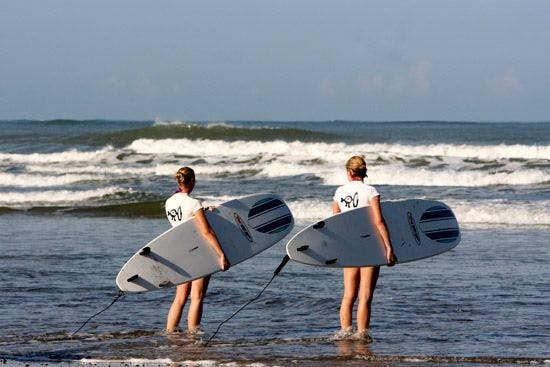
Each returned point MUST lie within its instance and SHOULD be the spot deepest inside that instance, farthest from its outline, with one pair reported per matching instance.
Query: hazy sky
(473, 60)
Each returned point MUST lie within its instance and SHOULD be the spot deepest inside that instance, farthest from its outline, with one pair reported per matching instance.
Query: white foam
(55, 197)
(68, 156)
(485, 152)
(398, 175)
(414, 360)
(335, 152)
(164, 361)
(384, 174)
(38, 180)
(129, 361)
(310, 210)
(502, 212)
(389, 164)
(444, 165)
(482, 212)
(106, 170)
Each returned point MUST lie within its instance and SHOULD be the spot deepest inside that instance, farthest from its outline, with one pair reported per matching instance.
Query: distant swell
(194, 131)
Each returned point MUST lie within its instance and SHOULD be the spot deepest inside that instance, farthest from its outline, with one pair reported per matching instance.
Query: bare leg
(198, 291)
(369, 277)
(351, 284)
(176, 309)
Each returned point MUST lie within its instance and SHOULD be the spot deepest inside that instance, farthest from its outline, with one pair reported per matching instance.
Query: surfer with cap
(360, 282)
(180, 207)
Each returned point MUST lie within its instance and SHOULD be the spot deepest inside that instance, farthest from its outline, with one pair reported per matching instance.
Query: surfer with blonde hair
(179, 207)
(360, 282)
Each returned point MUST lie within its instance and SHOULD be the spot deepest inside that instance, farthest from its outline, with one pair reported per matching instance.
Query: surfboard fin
(145, 251)
(331, 261)
(319, 225)
(132, 278)
(165, 284)
(302, 248)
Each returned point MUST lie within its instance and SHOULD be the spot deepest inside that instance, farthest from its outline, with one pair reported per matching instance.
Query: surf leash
(118, 296)
(275, 273)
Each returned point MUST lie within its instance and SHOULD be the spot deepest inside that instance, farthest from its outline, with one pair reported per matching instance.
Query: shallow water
(486, 300)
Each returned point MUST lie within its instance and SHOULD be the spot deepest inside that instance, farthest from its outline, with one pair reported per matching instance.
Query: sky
(284, 60)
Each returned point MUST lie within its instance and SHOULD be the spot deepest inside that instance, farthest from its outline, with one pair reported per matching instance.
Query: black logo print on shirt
(349, 200)
(175, 214)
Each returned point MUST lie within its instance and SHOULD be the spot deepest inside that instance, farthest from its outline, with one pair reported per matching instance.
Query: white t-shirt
(180, 207)
(353, 195)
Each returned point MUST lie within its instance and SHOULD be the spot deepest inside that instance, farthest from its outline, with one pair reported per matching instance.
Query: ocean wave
(337, 151)
(389, 164)
(404, 176)
(197, 131)
(537, 156)
(66, 157)
(483, 152)
(430, 165)
(117, 202)
(479, 213)
(266, 169)
(393, 164)
(502, 212)
(109, 177)
(39, 180)
(60, 198)
(98, 170)
(212, 124)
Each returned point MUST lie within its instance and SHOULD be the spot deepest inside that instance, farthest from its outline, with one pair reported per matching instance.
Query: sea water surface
(78, 198)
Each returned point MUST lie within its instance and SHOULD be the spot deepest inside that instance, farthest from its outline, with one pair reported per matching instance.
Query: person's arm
(208, 233)
(335, 207)
(380, 223)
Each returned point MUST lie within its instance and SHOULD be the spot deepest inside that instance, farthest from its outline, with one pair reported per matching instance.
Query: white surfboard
(244, 227)
(418, 229)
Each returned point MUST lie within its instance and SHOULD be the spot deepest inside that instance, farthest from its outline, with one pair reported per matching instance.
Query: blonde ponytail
(357, 166)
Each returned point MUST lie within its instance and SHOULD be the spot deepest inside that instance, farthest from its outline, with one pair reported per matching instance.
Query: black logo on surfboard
(242, 226)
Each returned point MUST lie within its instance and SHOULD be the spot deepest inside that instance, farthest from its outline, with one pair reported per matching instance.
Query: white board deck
(244, 227)
(418, 229)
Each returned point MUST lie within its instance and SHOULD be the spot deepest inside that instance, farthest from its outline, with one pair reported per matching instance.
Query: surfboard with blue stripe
(244, 227)
(418, 229)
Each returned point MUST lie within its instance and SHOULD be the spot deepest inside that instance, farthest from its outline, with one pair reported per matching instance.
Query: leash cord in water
(275, 273)
(119, 295)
